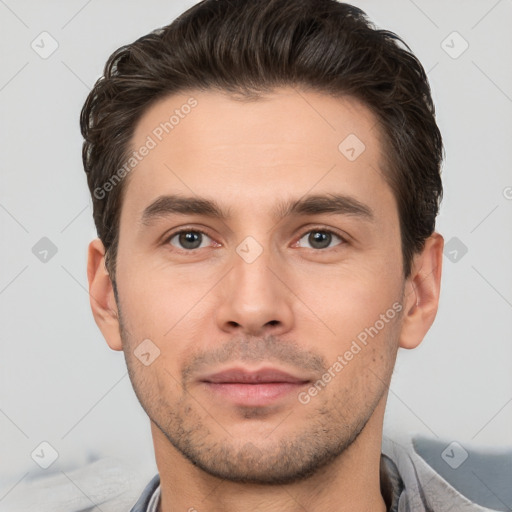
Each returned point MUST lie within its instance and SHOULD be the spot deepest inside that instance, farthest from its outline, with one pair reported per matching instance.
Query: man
(265, 179)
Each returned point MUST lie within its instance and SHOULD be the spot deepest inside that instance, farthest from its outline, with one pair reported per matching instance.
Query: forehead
(287, 142)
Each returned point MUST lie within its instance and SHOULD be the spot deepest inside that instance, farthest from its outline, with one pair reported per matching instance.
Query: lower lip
(253, 395)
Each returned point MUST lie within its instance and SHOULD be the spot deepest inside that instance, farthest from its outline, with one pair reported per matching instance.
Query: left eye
(190, 240)
(320, 239)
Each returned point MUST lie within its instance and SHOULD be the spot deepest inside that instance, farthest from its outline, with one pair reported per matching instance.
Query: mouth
(258, 388)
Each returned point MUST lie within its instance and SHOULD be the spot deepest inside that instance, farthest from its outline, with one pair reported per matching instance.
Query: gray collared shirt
(418, 474)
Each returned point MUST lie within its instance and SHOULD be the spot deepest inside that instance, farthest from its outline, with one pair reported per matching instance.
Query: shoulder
(108, 483)
(444, 475)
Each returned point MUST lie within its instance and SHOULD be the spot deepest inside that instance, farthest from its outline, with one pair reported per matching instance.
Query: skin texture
(296, 307)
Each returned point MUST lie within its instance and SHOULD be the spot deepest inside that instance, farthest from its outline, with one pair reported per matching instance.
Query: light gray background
(59, 381)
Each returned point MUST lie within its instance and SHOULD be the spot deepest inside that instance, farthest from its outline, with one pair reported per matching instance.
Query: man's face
(267, 294)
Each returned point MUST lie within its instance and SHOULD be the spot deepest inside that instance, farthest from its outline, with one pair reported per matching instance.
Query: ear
(101, 295)
(421, 294)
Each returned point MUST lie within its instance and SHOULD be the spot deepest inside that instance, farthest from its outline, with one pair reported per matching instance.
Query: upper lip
(240, 375)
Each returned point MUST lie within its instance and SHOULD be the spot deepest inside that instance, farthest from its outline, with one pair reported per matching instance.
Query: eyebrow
(167, 205)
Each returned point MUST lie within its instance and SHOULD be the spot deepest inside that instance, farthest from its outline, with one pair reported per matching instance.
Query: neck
(350, 483)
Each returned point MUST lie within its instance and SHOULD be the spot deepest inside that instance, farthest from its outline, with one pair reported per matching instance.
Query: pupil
(320, 239)
(190, 240)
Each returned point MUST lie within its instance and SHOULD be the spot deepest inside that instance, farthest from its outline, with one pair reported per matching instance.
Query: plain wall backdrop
(59, 381)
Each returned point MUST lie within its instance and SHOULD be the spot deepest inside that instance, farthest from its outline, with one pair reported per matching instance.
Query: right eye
(189, 239)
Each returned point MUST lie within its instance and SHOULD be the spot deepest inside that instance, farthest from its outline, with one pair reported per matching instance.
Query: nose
(254, 298)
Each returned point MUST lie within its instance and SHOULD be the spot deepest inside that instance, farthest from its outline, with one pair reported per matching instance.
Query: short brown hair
(248, 48)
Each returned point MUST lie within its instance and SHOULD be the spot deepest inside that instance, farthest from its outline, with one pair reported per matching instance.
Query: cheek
(351, 298)
(357, 323)
(158, 299)
(364, 351)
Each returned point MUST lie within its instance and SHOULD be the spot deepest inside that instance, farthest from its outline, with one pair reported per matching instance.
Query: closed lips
(237, 376)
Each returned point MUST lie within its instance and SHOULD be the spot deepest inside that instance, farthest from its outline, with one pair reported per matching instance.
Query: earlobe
(101, 295)
(422, 290)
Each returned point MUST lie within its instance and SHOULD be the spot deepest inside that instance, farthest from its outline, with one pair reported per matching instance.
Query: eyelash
(343, 240)
(185, 230)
